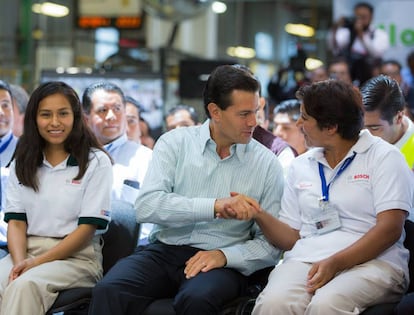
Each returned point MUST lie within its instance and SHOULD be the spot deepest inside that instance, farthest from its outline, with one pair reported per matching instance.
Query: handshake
(237, 206)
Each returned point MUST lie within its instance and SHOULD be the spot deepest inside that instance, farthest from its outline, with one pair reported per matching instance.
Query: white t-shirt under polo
(62, 203)
(131, 161)
(378, 179)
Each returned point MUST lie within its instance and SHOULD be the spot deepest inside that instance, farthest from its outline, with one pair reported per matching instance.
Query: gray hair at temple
(21, 96)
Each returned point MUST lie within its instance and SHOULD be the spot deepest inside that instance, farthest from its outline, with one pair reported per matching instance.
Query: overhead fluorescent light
(312, 63)
(241, 52)
(219, 7)
(301, 30)
(50, 9)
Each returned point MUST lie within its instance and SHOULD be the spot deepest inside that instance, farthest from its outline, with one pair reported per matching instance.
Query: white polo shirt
(378, 179)
(62, 203)
(7, 146)
(131, 161)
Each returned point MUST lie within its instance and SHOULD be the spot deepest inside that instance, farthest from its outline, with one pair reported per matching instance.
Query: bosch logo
(361, 176)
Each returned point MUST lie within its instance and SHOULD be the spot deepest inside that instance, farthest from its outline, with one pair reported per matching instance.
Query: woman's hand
(321, 273)
(21, 268)
(237, 206)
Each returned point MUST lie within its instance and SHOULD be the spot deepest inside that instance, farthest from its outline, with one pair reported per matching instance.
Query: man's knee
(189, 301)
(327, 303)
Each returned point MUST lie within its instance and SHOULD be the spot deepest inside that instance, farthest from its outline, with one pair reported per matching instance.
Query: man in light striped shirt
(200, 182)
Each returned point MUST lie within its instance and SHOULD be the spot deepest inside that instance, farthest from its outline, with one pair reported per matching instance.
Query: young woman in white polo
(57, 198)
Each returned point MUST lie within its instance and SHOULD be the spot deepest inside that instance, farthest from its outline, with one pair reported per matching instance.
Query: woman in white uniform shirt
(342, 215)
(57, 197)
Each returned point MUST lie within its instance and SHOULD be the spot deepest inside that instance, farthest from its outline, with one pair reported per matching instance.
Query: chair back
(122, 236)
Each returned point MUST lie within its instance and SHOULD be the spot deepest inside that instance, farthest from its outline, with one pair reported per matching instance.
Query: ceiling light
(312, 63)
(219, 7)
(301, 30)
(241, 52)
(50, 9)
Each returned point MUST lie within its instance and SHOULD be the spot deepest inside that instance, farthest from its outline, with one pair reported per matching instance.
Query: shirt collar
(6, 136)
(365, 141)
(69, 161)
(112, 146)
(205, 136)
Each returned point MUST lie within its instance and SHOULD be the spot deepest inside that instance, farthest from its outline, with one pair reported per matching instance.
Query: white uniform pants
(350, 292)
(35, 291)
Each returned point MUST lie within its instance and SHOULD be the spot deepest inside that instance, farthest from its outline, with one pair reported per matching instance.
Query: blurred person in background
(146, 137)
(20, 100)
(392, 68)
(407, 72)
(8, 141)
(285, 116)
(319, 74)
(181, 116)
(362, 44)
(276, 144)
(133, 108)
(338, 69)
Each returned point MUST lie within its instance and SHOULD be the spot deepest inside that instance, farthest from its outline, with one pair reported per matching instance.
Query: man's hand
(204, 261)
(237, 206)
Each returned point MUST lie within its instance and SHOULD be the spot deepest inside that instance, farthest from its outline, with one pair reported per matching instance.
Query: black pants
(157, 271)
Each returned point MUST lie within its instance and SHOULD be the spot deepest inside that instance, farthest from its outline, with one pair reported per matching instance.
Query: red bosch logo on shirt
(361, 176)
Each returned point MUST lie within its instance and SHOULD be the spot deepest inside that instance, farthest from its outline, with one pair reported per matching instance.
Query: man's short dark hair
(101, 85)
(223, 81)
(393, 62)
(383, 93)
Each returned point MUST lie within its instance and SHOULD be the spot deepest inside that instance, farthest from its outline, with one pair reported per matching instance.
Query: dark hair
(191, 110)
(133, 101)
(391, 62)
(383, 93)
(249, 71)
(223, 81)
(29, 149)
(290, 107)
(334, 103)
(5, 86)
(102, 85)
(338, 59)
(365, 5)
(410, 56)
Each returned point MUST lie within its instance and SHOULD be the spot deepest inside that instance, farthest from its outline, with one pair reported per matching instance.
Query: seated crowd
(322, 182)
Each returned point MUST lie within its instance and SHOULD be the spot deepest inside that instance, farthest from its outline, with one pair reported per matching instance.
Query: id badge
(327, 220)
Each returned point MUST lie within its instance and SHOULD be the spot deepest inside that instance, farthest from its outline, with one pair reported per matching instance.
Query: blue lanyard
(4, 145)
(325, 188)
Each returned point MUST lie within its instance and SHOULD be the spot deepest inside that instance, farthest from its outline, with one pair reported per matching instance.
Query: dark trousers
(406, 306)
(156, 271)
